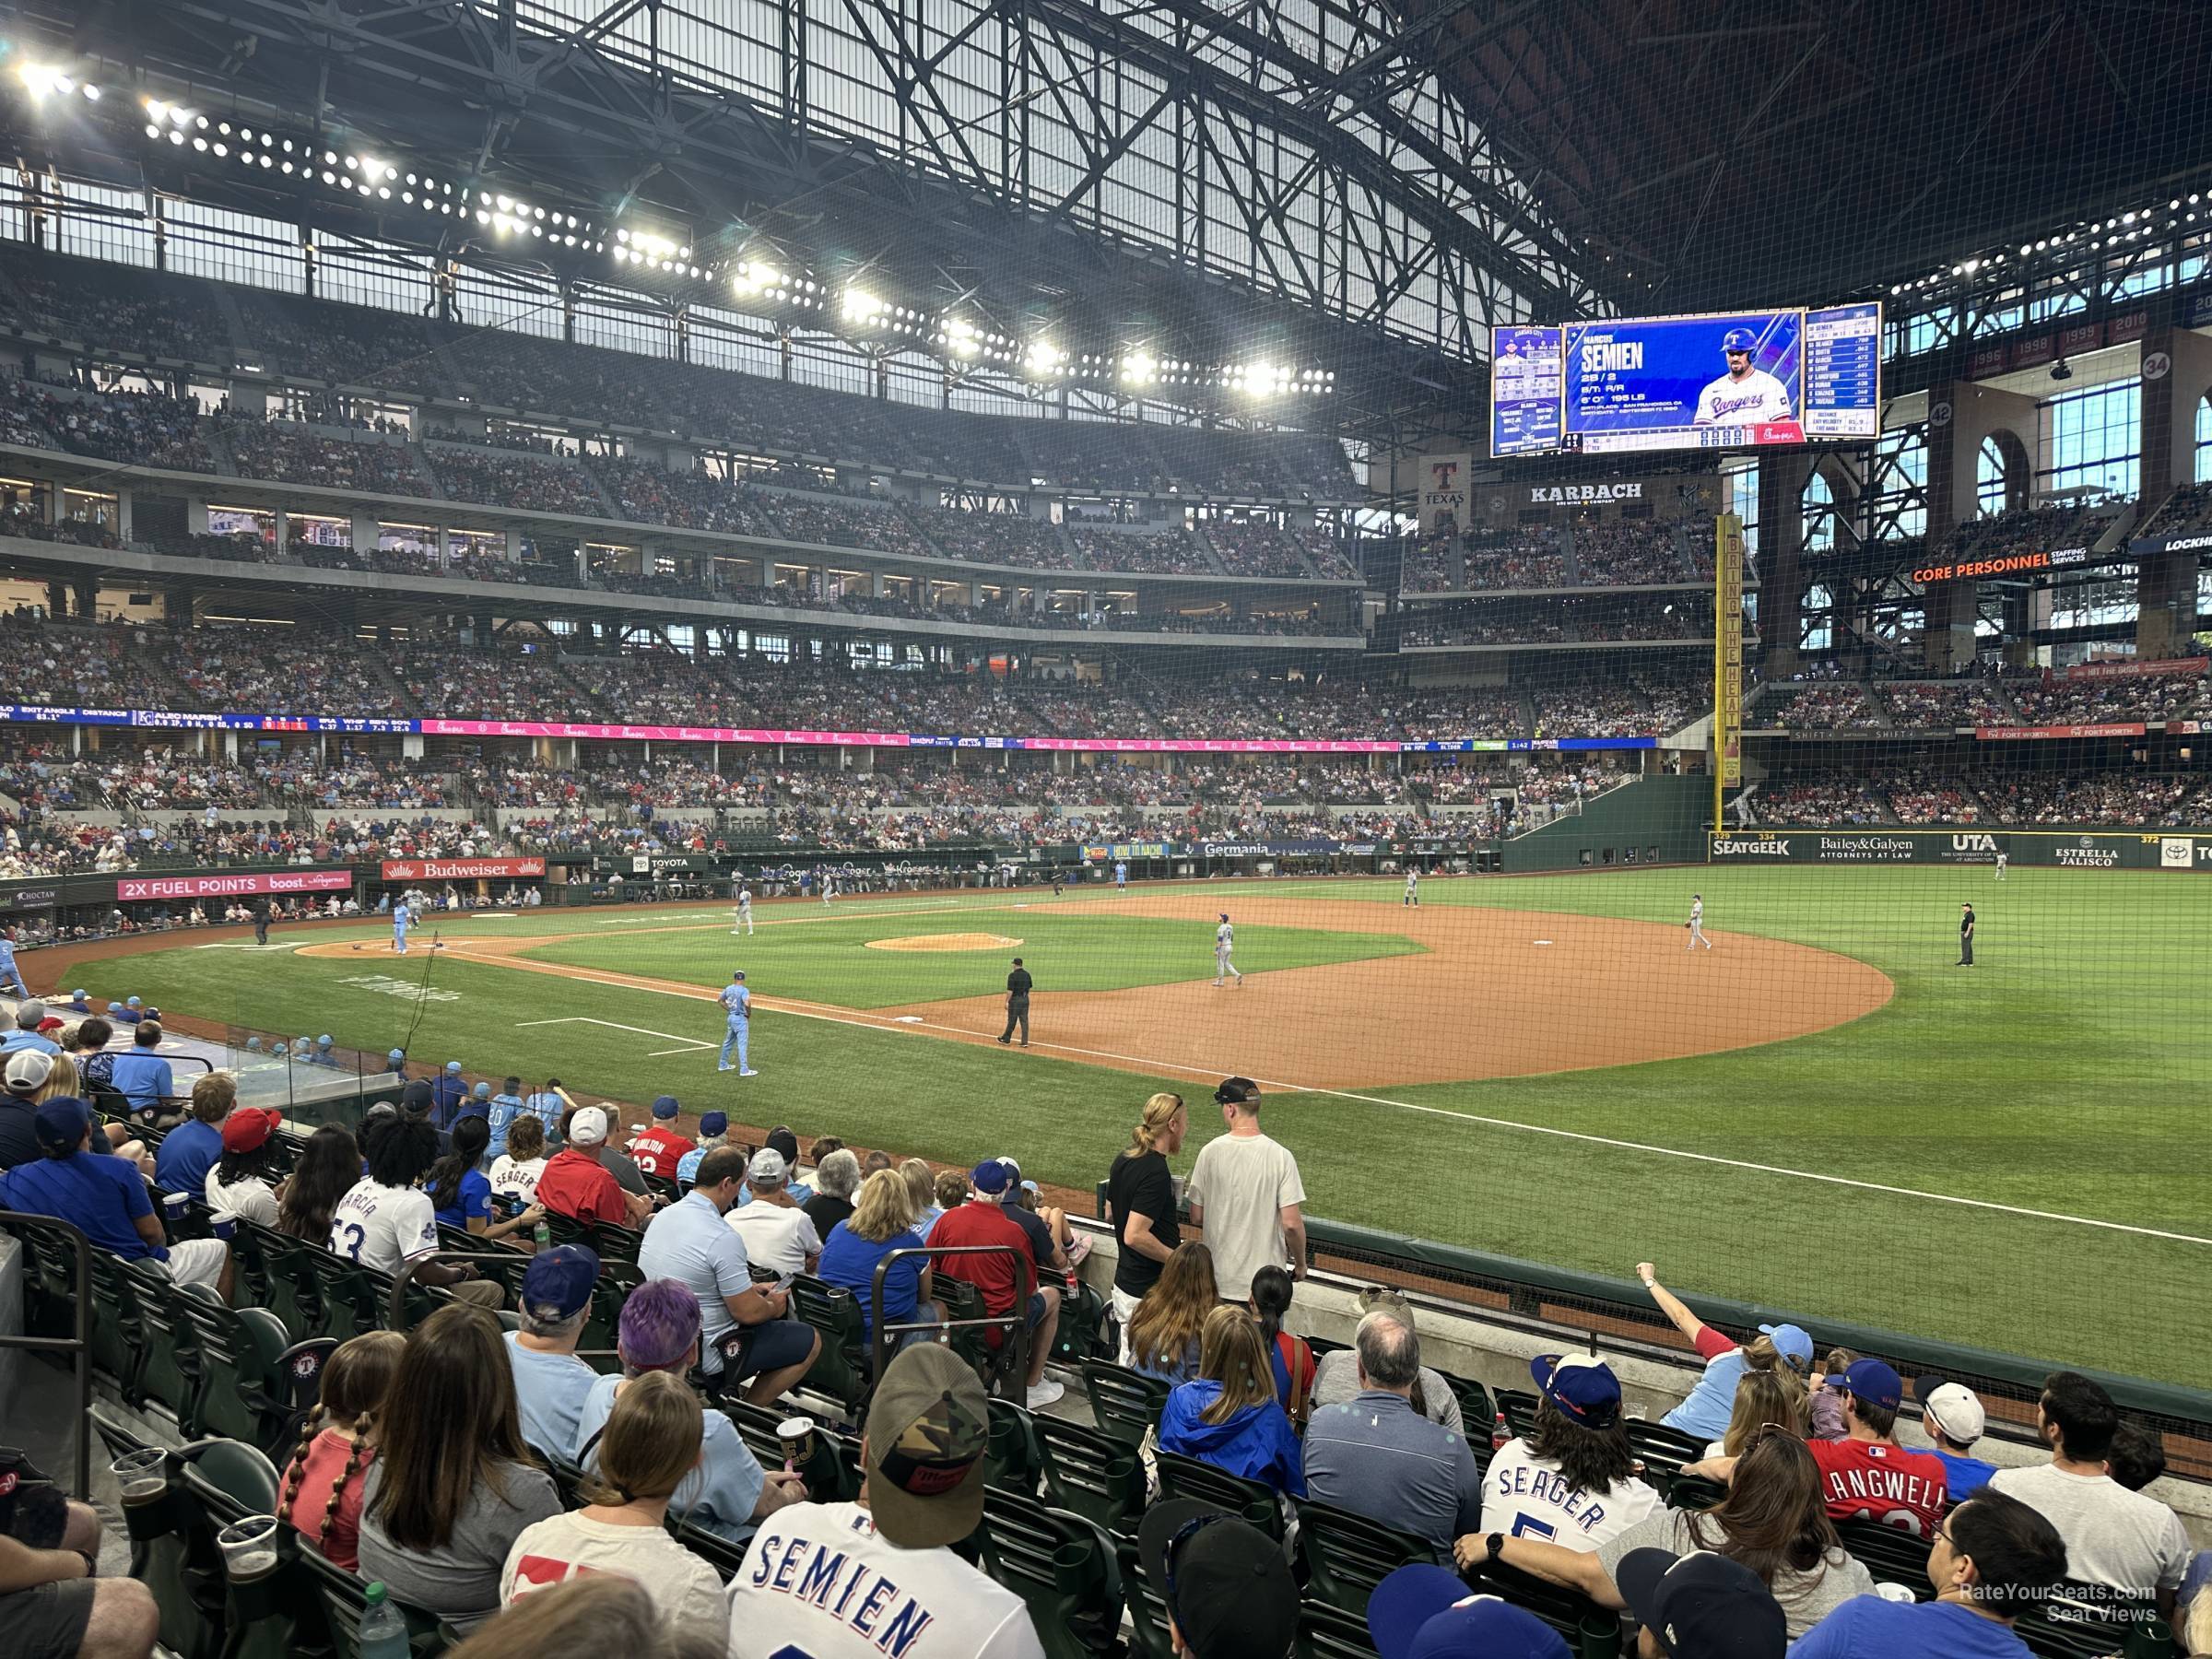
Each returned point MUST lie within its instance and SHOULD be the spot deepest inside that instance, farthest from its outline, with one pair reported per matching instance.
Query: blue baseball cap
(990, 1176)
(1739, 339)
(76, 996)
(453, 1066)
(481, 1092)
(664, 1106)
(397, 1056)
(736, 973)
(252, 1045)
(280, 1049)
(1703, 1603)
(1872, 1381)
(323, 1040)
(715, 1123)
(130, 1002)
(60, 1123)
(1791, 1343)
(1585, 1389)
(114, 1007)
(560, 1278)
(1428, 1613)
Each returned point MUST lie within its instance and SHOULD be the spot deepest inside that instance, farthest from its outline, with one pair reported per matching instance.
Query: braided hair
(355, 1382)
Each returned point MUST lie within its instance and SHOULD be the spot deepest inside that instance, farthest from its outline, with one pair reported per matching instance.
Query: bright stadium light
(1137, 369)
(860, 306)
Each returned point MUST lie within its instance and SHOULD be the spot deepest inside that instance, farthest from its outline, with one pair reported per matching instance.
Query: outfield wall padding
(2176, 850)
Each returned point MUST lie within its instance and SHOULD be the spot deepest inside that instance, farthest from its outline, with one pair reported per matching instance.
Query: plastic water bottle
(542, 1235)
(383, 1631)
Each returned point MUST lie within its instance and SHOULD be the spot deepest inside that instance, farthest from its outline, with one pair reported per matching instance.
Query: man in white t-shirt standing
(858, 1580)
(1245, 1193)
(776, 1232)
(2113, 1536)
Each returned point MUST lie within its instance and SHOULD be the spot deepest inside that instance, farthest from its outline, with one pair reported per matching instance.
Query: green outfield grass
(2066, 1076)
(1079, 945)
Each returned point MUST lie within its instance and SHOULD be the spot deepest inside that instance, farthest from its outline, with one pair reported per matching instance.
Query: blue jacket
(1258, 1443)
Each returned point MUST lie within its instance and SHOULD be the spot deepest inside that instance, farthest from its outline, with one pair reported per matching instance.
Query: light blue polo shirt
(691, 1243)
(549, 1390)
(720, 1494)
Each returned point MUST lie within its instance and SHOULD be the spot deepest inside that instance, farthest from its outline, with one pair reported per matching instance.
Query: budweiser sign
(217, 886)
(459, 869)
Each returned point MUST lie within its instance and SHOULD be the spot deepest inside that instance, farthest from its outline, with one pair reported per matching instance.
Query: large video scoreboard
(1722, 380)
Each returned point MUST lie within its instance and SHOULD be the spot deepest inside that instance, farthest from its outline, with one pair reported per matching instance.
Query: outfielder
(2002, 857)
(741, 919)
(1225, 941)
(740, 1002)
(1745, 396)
(401, 917)
(1413, 889)
(9, 973)
(1697, 923)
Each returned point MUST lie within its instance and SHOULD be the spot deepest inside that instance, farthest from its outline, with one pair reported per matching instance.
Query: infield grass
(2066, 1074)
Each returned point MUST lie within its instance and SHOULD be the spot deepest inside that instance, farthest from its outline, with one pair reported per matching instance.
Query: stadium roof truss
(1292, 176)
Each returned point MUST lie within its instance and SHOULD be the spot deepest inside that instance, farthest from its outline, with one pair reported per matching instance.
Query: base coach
(1017, 1004)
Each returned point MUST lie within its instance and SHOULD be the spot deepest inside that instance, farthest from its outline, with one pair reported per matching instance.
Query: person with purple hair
(729, 1491)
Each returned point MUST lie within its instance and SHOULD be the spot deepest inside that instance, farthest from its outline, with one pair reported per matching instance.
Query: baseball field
(1822, 1112)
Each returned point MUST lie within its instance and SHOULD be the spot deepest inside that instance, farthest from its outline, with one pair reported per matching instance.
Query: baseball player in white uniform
(741, 919)
(2003, 857)
(1225, 941)
(1697, 923)
(1413, 889)
(1745, 396)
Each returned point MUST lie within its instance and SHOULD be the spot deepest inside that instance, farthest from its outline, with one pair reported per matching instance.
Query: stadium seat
(1694, 1492)
(1093, 1474)
(1475, 1409)
(344, 1601)
(118, 1335)
(350, 1301)
(1075, 1339)
(242, 1394)
(156, 1532)
(1664, 1450)
(722, 1554)
(1518, 1406)
(49, 1278)
(617, 1278)
(169, 1362)
(1014, 1462)
(2086, 1621)
(1147, 1614)
(222, 1481)
(1326, 1631)
(824, 1471)
(614, 1243)
(1061, 1566)
(841, 1369)
(300, 1368)
(568, 1475)
(1566, 1611)
(1194, 1478)
(962, 1300)
(1344, 1556)
(1891, 1554)
(1125, 1404)
(295, 1294)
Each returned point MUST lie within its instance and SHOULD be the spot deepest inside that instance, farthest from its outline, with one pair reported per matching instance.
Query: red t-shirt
(322, 1473)
(658, 1151)
(582, 1189)
(998, 1276)
(1864, 1480)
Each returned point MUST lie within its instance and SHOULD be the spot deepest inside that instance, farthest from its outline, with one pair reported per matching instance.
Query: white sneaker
(748, 1074)
(1043, 1393)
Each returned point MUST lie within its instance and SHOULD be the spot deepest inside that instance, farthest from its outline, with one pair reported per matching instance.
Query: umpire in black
(1017, 1004)
(261, 921)
(1966, 936)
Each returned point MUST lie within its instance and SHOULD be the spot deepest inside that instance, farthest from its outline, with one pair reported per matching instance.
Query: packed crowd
(1835, 706)
(692, 500)
(1262, 549)
(1153, 552)
(140, 426)
(2124, 698)
(1626, 551)
(2187, 511)
(2148, 799)
(268, 671)
(268, 450)
(1818, 801)
(1944, 704)
(1007, 538)
(511, 478)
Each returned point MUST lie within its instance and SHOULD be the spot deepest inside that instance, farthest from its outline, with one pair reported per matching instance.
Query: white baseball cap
(1951, 1410)
(28, 1070)
(588, 1127)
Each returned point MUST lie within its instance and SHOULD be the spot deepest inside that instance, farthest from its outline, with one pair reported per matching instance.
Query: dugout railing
(1535, 1297)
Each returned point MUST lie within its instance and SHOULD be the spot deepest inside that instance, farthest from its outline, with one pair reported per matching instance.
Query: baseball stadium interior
(1224, 829)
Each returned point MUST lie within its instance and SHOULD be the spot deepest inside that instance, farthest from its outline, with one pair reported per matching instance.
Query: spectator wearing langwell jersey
(1866, 1476)
(1705, 1413)
(2113, 1536)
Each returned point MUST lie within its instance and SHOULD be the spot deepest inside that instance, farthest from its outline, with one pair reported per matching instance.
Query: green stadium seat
(1095, 1474)
(169, 1369)
(1519, 1408)
(1014, 1462)
(614, 1243)
(1061, 1566)
(2086, 1622)
(49, 1278)
(841, 1369)
(1125, 1404)
(1194, 1478)
(1345, 1555)
(156, 1531)
(222, 1481)
(602, 1326)
(294, 1294)
(1694, 1492)
(1328, 1632)
(1889, 1553)
(1075, 1339)
(349, 1300)
(242, 1394)
(1566, 1611)
(300, 1371)
(962, 1300)
(119, 1333)
(1476, 1408)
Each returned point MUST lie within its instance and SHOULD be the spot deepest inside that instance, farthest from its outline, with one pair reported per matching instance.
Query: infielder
(740, 1002)
(1697, 923)
(741, 919)
(1225, 941)
(1745, 396)
(401, 917)
(2002, 857)
(1413, 889)
(9, 973)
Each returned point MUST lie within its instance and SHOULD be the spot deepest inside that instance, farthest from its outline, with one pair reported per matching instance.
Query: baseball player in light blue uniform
(740, 1002)
(9, 973)
(401, 917)
(1121, 874)
(1225, 941)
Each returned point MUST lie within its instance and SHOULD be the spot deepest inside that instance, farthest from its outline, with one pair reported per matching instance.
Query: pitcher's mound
(973, 941)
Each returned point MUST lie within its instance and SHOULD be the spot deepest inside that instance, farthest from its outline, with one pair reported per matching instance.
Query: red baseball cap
(51, 1023)
(249, 1127)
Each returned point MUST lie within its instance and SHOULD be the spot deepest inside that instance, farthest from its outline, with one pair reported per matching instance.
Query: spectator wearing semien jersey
(1706, 1411)
(2113, 1536)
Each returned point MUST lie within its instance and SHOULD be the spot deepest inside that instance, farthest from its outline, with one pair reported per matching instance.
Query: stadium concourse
(1339, 850)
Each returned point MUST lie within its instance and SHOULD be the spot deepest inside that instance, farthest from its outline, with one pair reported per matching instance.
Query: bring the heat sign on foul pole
(1727, 660)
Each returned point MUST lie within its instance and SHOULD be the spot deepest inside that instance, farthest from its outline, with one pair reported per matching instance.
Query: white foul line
(919, 1027)
(613, 1025)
